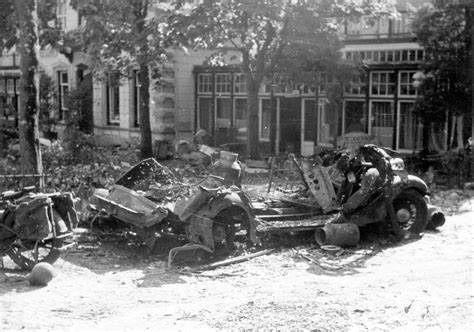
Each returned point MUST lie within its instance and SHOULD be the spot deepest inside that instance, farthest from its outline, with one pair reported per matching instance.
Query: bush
(77, 160)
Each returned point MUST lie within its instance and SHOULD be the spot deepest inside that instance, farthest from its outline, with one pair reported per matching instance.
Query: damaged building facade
(292, 118)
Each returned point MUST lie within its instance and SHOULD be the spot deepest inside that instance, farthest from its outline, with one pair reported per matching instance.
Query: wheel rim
(27, 256)
(223, 231)
(403, 215)
(406, 215)
(218, 232)
(411, 211)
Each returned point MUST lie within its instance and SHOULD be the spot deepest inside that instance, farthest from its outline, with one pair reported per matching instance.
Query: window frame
(113, 101)
(409, 85)
(224, 86)
(63, 90)
(386, 84)
(240, 84)
(204, 82)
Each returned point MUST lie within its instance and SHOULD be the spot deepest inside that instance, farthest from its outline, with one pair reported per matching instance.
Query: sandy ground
(425, 285)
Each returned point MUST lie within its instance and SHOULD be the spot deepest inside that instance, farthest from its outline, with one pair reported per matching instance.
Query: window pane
(410, 133)
(205, 114)
(10, 87)
(223, 83)
(204, 83)
(241, 117)
(223, 111)
(397, 56)
(376, 55)
(240, 84)
(328, 123)
(310, 120)
(113, 92)
(420, 54)
(405, 55)
(382, 128)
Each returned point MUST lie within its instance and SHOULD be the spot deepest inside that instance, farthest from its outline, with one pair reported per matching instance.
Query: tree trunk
(253, 148)
(28, 117)
(146, 144)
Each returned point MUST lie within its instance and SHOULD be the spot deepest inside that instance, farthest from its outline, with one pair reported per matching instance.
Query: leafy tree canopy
(49, 32)
(115, 32)
(446, 79)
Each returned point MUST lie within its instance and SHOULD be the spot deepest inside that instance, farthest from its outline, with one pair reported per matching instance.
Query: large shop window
(205, 113)
(410, 131)
(382, 127)
(265, 111)
(355, 117)
(241, 116)
(113, 99)
(382, 83)
(63, 90)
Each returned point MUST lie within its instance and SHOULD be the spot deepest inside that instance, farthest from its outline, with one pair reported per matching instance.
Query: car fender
(199, 228)
(410, 181)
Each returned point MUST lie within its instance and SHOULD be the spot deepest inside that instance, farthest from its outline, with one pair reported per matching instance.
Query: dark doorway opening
(290, 125)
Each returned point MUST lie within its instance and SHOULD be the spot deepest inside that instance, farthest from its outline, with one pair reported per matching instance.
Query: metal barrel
(436, 218)
(342, 235)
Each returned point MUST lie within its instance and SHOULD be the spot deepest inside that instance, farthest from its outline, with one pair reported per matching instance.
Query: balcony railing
(372, 36)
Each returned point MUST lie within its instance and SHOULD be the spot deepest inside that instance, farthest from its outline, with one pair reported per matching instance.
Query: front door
(290, 125)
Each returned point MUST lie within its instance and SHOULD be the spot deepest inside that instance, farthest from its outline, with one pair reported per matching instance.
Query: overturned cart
(35, 227)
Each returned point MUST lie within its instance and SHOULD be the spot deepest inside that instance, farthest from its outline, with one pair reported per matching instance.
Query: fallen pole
(238, 259)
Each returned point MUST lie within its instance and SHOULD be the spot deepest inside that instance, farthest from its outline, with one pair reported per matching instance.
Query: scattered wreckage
(36, 227)
(334, 197)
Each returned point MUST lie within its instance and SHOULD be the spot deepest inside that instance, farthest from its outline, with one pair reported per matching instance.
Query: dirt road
(421, 285)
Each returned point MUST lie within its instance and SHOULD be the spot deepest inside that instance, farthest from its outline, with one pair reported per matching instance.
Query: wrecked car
(371, 186)
(141, 198)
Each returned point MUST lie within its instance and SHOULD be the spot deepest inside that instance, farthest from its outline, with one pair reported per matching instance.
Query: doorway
(290, 125)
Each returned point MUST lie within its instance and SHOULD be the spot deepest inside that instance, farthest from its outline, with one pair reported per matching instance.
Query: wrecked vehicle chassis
(217, 213)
